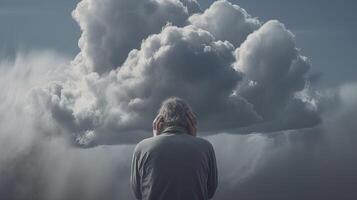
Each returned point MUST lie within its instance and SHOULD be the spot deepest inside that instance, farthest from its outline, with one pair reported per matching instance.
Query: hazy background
(61, 104)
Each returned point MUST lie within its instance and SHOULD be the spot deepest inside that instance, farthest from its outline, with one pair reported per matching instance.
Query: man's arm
(135, 178)
(213, 174)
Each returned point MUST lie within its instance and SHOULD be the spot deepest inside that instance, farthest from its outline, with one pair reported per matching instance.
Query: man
(174, 164)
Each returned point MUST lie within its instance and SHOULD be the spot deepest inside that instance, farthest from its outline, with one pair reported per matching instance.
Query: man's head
(175, 111)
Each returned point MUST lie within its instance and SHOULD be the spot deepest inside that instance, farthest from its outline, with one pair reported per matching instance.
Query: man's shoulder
(155, 140)
(203, 141)
(139, 146)
(208, 145)
(146, 143)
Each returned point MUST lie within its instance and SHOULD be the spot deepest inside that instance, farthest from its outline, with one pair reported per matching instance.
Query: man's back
(173, 166)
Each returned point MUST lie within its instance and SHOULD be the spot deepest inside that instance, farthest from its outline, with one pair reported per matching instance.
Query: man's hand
(192, 123)
(157, 125)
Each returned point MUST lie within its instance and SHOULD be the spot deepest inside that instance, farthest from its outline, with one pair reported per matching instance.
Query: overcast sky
(324, 29)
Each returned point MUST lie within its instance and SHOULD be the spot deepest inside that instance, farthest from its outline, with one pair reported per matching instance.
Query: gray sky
(38, 24)
(325, 32)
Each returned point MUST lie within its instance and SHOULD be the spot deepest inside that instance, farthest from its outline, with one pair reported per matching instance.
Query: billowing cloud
(275, 72)
(178, 61)
(238, 90)
(111, 28)
(226, 21)
(181, 62)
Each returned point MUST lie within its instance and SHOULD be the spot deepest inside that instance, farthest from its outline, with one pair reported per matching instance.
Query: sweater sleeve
(135, 178)
(213, 174)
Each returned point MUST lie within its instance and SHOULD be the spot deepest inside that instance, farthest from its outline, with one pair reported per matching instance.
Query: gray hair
(174, 112)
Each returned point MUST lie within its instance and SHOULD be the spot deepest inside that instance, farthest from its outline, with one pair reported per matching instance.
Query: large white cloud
(237, 90)
(112, 28)
(185, 62)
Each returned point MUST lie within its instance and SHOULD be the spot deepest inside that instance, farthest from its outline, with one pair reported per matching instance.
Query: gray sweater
(174, 166)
